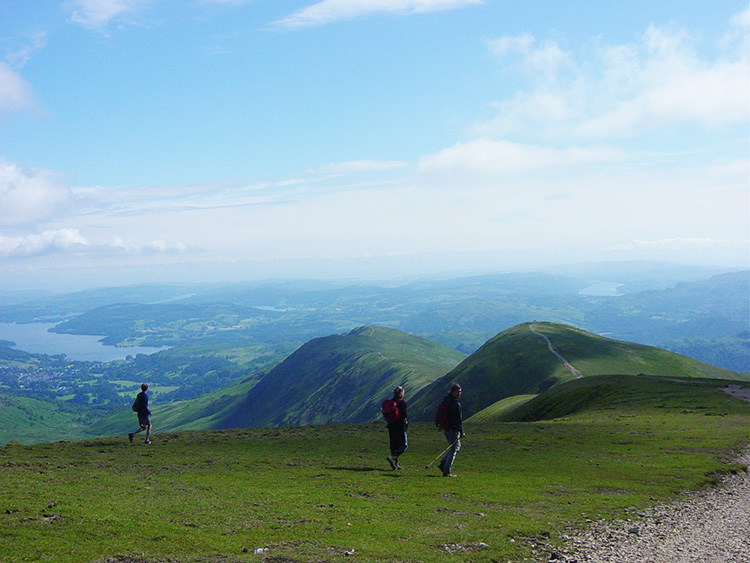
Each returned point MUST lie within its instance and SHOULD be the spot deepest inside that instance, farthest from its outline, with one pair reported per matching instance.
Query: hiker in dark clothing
(454, 432)
(397, 428)
(140, 406)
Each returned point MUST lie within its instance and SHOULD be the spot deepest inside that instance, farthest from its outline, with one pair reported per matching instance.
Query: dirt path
(708, 526)
(565, 362)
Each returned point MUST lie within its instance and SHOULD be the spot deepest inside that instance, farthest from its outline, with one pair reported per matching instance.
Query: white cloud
(28, 195)
(40, 244)
(485, 156)
(15, 92)
(623, 90)
(69, 240)
(97, 14)
(329, 11)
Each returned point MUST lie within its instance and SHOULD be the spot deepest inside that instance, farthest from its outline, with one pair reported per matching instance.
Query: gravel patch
(708, 526)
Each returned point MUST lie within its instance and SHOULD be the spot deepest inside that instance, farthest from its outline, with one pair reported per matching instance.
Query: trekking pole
(441, 454)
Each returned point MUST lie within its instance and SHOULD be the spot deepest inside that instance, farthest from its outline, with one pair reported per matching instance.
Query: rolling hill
(334, 379)
(530, 358)
(342, 379)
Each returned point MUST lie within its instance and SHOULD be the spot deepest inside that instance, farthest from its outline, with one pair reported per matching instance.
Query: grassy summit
(531, 358)
(316, 493)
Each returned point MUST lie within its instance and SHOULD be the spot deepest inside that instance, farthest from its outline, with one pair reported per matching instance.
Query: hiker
(140, 406)
(452, 428)
(394, 412)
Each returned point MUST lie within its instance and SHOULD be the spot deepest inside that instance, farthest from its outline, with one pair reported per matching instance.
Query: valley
(226, 344)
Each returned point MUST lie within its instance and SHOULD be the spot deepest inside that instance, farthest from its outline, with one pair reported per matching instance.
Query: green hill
(27, 420)
(530, 358)
(635, 393)
(342, 379)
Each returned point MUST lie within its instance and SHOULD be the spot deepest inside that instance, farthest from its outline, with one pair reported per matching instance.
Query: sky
(226, 140)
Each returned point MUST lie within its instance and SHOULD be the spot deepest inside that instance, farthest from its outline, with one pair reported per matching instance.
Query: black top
(401, 406)
(454, 413)
(142, 399)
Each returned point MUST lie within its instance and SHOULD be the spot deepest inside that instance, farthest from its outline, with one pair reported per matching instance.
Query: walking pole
(441, 454)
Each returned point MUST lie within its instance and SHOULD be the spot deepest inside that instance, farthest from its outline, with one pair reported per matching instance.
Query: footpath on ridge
(565, 362)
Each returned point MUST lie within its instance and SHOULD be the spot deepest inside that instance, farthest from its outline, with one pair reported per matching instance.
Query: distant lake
(602, 289)
(35, 339)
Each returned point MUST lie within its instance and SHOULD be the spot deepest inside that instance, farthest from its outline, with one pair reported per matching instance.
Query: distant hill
(342, 379)
(528, 360)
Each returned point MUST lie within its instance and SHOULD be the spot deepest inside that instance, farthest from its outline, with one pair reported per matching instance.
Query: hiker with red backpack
(449, 420)
(394, 413)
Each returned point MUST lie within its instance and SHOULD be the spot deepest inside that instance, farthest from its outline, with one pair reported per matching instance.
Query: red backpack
(443, 418)
(389, 409)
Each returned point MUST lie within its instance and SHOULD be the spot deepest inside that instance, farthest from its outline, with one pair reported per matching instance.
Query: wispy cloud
(329, 11)
(97, 14)
(358, 167)
(19, 58)
(681, 244)
(485, 156)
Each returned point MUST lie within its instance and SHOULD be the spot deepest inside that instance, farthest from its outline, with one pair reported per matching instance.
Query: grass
(316, 493)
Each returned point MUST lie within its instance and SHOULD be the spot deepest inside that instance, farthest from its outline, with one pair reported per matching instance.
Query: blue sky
(210, 140)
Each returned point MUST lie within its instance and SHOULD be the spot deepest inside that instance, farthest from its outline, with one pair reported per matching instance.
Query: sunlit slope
(28, 421)
(342, 379)
(530, 358)
(617, 393)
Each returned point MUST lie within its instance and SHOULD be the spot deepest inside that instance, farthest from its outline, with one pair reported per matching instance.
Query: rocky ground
(709, 526)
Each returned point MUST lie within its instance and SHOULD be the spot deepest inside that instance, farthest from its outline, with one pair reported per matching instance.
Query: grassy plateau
(326, 493)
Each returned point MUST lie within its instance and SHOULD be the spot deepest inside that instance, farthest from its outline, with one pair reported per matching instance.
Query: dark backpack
(390, 410)
(443, 417)
(137, 403)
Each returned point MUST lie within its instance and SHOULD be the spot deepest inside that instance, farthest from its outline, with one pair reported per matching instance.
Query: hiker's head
(398, 391)
(144, 386)
(455, 390)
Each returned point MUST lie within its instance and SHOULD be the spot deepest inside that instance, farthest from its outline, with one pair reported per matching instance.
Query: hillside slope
(530, 358)
(635, 393)
(342, 379)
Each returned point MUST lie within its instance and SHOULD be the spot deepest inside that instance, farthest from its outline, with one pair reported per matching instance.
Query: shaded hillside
(528, 359)
(342, 379)
(618, 392)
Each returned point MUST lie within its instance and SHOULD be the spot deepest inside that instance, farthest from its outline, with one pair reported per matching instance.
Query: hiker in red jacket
(394, 412)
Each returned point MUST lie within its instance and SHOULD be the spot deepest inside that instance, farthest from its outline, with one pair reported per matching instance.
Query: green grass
(314, 493)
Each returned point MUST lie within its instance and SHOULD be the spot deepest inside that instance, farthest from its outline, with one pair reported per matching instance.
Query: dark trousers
(397, 435)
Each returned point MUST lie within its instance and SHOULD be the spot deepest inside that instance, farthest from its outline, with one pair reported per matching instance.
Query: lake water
(602, 289)
(36, 339)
